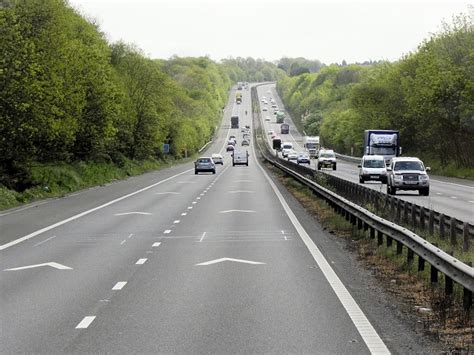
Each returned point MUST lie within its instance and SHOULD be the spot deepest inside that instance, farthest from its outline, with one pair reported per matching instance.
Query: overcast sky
(326, 30)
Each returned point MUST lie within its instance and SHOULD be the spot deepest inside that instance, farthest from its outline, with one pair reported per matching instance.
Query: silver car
(407, 174)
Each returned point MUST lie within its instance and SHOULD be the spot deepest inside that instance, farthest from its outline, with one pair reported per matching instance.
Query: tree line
(428, 95)
(68, 95)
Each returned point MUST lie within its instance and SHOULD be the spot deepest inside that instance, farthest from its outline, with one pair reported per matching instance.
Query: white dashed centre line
(470, 201)
(183, 214)
(157, 244)
(85, 322)
(131, 235)
(198, 198)
(168, 231)
(190, 208)
(119, 285)
(454, 197)
(177, 221)
(194, 202)
(122, 242)
(141, 261)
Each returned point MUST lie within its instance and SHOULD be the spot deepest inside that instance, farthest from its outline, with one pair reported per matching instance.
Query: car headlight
(424, 178)
(365, 172)
(383, 172)
(398, 177)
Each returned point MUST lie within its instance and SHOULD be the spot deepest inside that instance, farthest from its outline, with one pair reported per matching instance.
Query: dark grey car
(204, 164)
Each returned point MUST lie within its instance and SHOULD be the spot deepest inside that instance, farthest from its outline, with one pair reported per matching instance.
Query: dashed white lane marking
(131, 235)
(439, 193)
(240, 191)
(184, 214)
(82, 214)
(176, 222)
(190, 207)
(141, 261)
(241, 211)
(44, 241)
(119, 285)
(123, 242)
(156, 245)
(454, 197)
(198, 198)
(85, 322)
(201, 194)
(167, 193)
(360, 321)
(168, 231)
(186, 182)
(194, 202)
(470, 201)
(202, 237)
(127, 213)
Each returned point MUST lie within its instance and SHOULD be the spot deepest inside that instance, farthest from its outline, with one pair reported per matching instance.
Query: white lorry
(312, 145)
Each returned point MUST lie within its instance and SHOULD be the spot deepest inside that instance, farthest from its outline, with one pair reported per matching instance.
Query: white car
(217, 159)
(372, 167)
(407, 174)
(286, 147)
(326, 159)
(292, 155)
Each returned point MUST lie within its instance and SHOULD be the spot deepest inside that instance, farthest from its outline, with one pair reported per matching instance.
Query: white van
(240, 157)
(372, 167)
(285, 148)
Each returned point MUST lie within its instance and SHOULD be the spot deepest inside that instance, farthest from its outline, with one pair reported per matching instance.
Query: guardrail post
(421, 263)
(405, 211)
(452, 232)
(422, 218)
(431, 222)
(465, 234)
(467, 295)
(366, 227)
(434, 274)
(379, 238)
(398, 211)
(410, 256)
(359, 224)
(448, 285)
(413, 215)
(441, 226)
(399, 247)
(372, 233)
(389, 241)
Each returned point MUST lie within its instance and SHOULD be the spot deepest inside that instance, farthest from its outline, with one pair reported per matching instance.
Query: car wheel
(389, 190)
(195, 172)
(425, 191)
(213, 171)
(247, 164)
(361, 179)
(334, 167)
(319, 166)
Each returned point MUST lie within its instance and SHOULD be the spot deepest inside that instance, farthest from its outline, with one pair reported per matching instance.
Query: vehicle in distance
(238, 97)
(232, 141)
(280, 116)
(245, 142)
(276, 143)
(204, 164)
(217, 158)
(303, 158)
(407, 174)
(292, 155)
(234, 122)
(382, 142)
(311, 144)
(240, 157)
(285, 148)
(267, 118)
(372, 167)
(284, 128)
(230, 148)
(270, 132)
(326, 159)
(265, 108)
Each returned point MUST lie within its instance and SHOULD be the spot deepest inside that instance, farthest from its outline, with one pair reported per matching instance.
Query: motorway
(173, 262)
(453, 197)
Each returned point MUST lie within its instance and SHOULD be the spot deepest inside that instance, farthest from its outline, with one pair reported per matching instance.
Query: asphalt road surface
(453, 197)
(173, 262)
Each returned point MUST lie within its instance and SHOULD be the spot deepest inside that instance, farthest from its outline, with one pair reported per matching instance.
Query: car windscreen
(408, 165)
(374, 164)
(326, 155)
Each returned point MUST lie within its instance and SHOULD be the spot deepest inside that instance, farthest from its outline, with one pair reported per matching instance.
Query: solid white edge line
(141, 261)
(360, 321)
(82, 214)
(119, 285)
(85, 322)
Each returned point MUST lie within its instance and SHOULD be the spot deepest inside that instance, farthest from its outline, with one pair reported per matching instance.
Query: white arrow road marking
(52, 264)
(119, 285)
(230, 259)
(127, 213)
(243, 211)
(167, 193)
(241, 191)
(85, 322)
